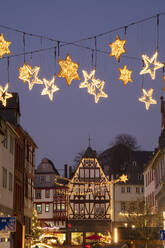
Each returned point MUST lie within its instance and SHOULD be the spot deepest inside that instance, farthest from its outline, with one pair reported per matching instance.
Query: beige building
(7, 148)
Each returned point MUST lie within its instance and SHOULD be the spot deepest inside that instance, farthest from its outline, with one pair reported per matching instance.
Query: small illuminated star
(50, 88)
(35, 79)
(124, 178)
(151, 65)
(147, 98)
(117, 48)
(88, 80)
(125, 75)
(4, 95)
(25, 73)
(98, 86)
(4, 46)
(68, 69)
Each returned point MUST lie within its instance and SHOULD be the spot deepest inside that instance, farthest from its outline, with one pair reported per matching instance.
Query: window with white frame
(47, 207)
(39, 208)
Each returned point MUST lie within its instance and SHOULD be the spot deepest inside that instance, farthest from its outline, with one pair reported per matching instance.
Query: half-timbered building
(89, 210)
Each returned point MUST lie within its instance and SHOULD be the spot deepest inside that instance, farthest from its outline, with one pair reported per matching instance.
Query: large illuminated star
(125, 75)
(147, 98)
(34, 79)
(89, 80)
(50, 88)
(25, 73)
(124, 178)
(4, 95)
(97, 90)
(117, 48)
(151, 65)
(68, 69)
(4, 46)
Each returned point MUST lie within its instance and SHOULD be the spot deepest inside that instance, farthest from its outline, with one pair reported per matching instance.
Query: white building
(149, 187)
(7, 153)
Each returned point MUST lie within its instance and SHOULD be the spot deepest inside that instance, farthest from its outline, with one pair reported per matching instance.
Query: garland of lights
(68, 68)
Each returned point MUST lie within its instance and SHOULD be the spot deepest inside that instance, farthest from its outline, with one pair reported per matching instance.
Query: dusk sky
(61, 127)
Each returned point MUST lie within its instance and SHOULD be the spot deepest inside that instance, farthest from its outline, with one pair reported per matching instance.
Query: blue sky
(61, 128)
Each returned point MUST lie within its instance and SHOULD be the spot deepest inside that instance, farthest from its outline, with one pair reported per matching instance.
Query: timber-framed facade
(89, 210)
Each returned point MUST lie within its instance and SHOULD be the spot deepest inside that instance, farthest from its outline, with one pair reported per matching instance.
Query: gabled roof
(89, 153)
(46, 167)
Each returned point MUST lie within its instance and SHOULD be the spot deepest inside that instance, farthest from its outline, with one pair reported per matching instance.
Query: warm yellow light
(68, 69)
(147, 98)
(42, 245)
(117, 48)
(50, 88)
(88, 80)
(34, 77)
(4, 95)
(151, 65)
(27, 74)
(115, 235)
(125, 224)
(94, 86)
(125, 75)
(98, 87)
(4, 46)
(133, 226)
(123, 178)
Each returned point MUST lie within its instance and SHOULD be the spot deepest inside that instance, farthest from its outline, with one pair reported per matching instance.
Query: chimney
(70, 171)
(65, 170)
(163, 113)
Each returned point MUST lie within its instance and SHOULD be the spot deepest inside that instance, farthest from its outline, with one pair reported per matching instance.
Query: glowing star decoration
(97, 90)
(151, 65)
(125, 75)
(147, 98)
(50, 88)
(89, 80)
(124, 178)
(4, 95)
(35, 79)
(25, 73)
(4, 46)
(117, 48)
(68, 69)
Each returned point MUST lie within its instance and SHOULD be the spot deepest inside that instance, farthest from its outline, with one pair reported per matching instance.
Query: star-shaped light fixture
(123, 178)
(125, 75)
(117, 48)
(4, 46)
(147, 98)
(97, 90)
(4, 95)
(89, 80)
(50, 88)
(151, 65)
(25, 73)
(68, 69)
(34, 77)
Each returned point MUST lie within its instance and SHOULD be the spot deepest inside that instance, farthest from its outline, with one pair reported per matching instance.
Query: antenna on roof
(89, 141)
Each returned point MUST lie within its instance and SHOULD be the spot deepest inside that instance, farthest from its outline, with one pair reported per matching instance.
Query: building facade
(89, 210)
(8, 138)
